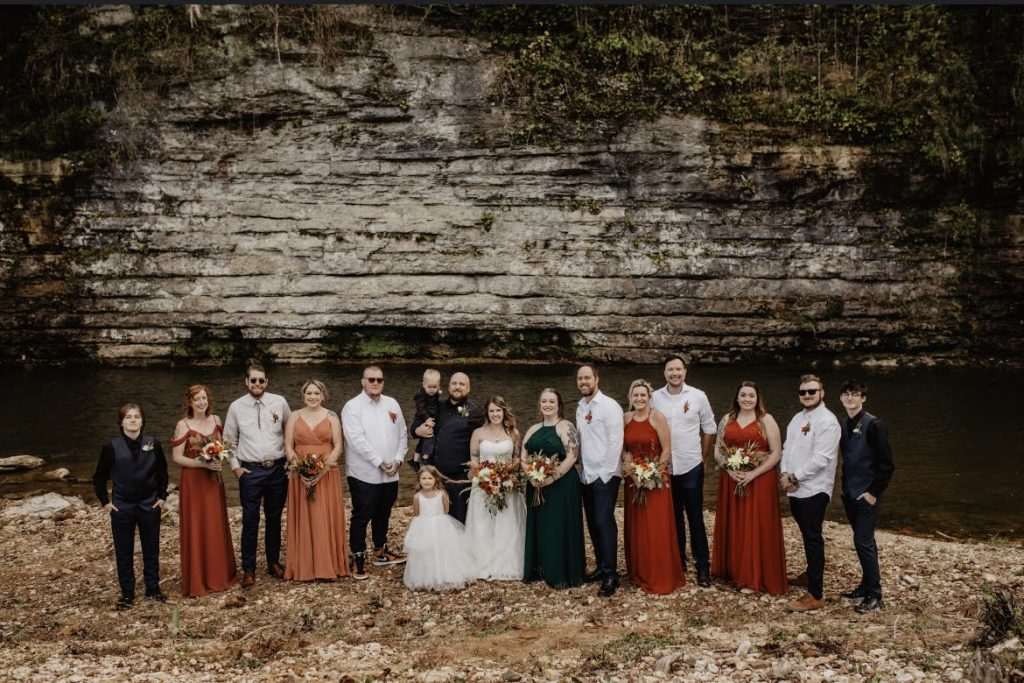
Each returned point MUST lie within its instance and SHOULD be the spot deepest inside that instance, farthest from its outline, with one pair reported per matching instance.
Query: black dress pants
(809, 514)
(863, 518)
(371, 505)
(123, 523)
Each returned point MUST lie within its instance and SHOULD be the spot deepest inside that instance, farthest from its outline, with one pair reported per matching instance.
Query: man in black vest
(456, 419)
(138, 468)
(867, 469)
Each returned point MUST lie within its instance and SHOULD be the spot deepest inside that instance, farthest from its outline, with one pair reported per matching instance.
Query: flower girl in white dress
(497, 541)
(435, 544)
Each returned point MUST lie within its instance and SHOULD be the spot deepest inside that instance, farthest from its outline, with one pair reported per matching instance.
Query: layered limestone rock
(376, 210)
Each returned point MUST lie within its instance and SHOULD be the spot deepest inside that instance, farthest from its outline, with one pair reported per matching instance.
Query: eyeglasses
(374, 380)
(257, 380)
(850, 394)
(807, 392)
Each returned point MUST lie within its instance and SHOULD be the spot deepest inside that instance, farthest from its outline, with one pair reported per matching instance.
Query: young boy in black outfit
(427, 400)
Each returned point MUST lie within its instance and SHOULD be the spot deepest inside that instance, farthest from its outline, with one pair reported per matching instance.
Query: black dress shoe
(608, 587)
(593, 576)
(124, 602)
(856, 595)
(870, 605)
(156, 596)
(703, 578)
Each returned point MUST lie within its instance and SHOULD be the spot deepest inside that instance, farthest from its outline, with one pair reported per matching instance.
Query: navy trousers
(268, 486)
(809, 514)
(123, 523)
(688, 504)
(371, 505)
(863, 518)
(599, 505)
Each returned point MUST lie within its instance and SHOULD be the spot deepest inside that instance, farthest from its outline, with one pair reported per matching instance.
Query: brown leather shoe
(276, 570)
(800, 580)
(248, 580)
(805, 603)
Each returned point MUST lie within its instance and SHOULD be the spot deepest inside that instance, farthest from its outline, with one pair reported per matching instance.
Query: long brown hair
(439, 479)
(191, 393)
(561, 403)
(508, 420)
(759, 409)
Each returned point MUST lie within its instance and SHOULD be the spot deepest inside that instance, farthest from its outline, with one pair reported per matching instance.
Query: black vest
(134, 476)
(451, 437)
(858, 456)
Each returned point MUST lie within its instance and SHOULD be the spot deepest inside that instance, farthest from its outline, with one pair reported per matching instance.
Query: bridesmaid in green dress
(554, 529)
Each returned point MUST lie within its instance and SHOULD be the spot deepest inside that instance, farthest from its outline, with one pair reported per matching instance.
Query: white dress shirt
(600, 438)
(811, 451)
(688, 413)
(375, 433)
(256, 428)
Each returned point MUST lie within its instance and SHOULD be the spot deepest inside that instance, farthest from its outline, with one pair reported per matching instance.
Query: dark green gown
(554, 530)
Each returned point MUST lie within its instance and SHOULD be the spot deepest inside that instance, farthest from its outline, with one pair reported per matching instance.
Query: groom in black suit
(456, 419)
(867, 469)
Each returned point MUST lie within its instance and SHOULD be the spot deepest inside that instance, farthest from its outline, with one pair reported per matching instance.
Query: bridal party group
(495, 500)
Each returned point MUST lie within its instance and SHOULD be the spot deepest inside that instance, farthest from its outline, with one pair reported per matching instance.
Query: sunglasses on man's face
(257, 380)
(807, 392)
(374, 380)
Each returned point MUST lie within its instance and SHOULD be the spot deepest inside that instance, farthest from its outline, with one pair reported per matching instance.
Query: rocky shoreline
(58, 623)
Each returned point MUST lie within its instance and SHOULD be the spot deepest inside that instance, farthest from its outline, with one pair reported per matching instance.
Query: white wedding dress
(497, 542)
(435, 547)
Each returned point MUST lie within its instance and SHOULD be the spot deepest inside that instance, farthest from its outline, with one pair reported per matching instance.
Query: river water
(956, 437)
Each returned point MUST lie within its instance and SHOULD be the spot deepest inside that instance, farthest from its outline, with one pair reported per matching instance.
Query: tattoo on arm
(573, 447)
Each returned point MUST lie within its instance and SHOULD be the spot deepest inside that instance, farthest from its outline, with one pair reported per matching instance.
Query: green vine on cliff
(908, 79)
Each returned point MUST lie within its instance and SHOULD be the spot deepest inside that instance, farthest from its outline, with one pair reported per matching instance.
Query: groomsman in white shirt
(600, 424)
(375, 446)
(809, 459)
(692, 423)
(255, 424)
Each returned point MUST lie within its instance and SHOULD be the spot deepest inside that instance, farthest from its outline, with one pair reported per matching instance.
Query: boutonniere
(588, 417)
(806, 428)
(393, 416)
(856, 430)
(686, 407)
(275, 416)
(147, 447)
(463, 410)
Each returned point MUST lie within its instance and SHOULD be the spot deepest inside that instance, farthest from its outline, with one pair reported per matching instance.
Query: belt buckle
(267, 464)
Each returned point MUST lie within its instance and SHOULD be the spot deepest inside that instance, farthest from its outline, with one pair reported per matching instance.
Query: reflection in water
(956, 440)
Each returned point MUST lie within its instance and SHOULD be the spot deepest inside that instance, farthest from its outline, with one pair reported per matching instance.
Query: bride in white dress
(497, 542)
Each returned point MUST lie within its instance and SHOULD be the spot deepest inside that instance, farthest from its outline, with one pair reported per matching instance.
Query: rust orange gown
(317, 548)
(748, 548)
(652, 550)
(207, 555)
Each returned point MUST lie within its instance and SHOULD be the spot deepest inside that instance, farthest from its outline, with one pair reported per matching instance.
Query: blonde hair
(318, 384)
(639, 383)
(432, 374)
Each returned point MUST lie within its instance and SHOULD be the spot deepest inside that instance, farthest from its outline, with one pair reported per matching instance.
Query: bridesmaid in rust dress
(748, 547)
(317, 547)
(207, 555)
(652, 559)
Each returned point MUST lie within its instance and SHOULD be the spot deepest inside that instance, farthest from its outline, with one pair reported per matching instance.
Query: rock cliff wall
(374, 210)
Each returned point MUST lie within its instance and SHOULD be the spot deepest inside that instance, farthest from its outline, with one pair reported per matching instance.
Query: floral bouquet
(215, 450)
(494, 480)
(647, 474)
(309, 467)
(537, 468)
(743, 459)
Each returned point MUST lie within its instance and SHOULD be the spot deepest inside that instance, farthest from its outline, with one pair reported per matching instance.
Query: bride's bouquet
(309, 467)
(743, 459)
(537, 468)
(215, 450)
(494, 480)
